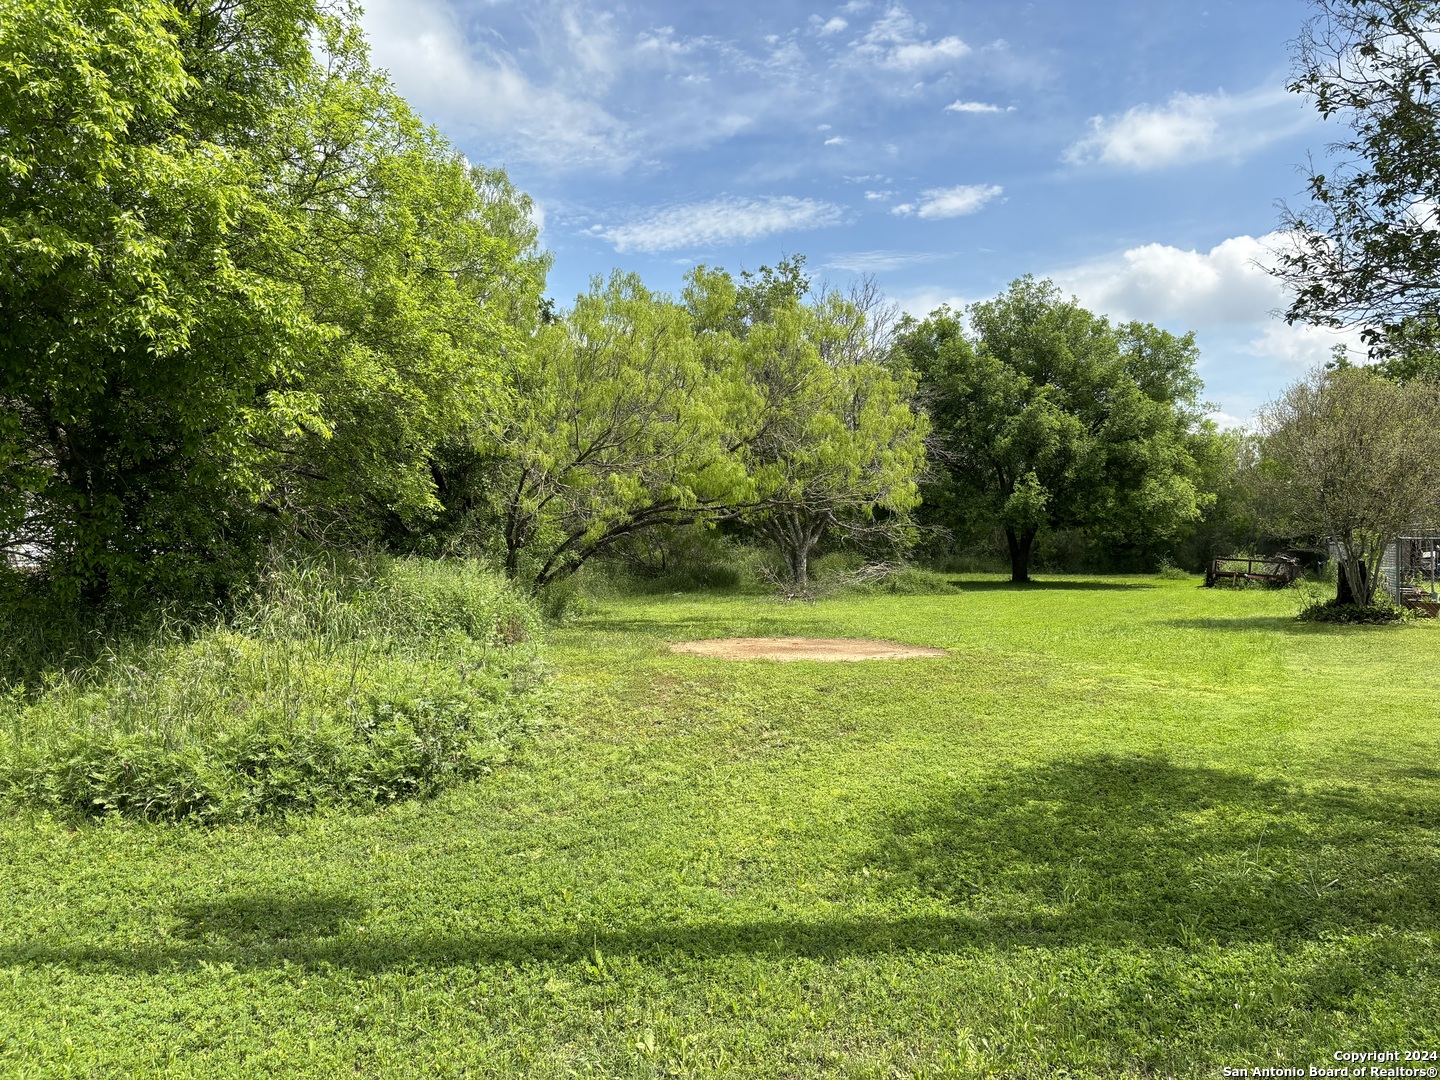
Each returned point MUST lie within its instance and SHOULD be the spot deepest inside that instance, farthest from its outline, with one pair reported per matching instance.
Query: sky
(1134, 152)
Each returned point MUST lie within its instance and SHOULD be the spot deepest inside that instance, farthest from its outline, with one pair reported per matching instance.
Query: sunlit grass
(1126, 828)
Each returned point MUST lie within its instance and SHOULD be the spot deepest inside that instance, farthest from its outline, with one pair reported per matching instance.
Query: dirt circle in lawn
(802, 648)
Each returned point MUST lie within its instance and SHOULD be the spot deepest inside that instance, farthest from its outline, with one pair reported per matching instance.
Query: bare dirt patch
(802, 648)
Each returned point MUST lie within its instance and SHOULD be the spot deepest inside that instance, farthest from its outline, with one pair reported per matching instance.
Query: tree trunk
(1356, 590)
(1020, 544)
(800, 565)
(796, 536)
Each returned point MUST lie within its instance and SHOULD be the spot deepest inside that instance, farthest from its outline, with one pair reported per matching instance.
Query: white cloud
(1303, 346)
(1190, 127)
(878, 196)
(1225, 296)
(832, 26)
(922, 302)
(896, 40)
(922, 54)
(1226, 285)
(478, 90)
(973, 107)
(1225, 421)
(950, 202)
(719, 222)
(836, 140)
(878, 262)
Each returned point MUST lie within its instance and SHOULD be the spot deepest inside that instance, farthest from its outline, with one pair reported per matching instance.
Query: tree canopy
(240, 276)
(1047, 416)
(833, 444)
(1354, 459)
(1366, 251)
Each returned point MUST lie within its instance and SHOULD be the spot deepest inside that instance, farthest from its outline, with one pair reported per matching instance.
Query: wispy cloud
(897, 40)
(476, 90)
(1189, 127)
(950, 202)
(879, 262)
(975, 107)
(719, 222)
(828, 26)
(836, 140)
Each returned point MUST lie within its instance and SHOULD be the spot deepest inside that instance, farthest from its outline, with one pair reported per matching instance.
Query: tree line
(247, 294)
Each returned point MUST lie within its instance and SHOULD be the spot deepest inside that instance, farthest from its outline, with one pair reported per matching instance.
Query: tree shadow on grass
(256, 919)
(1047, 586)
(1098, 851)
(1130, 848)
(1285, 624)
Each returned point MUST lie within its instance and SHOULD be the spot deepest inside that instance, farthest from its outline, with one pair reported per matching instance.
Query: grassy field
(1128, 827)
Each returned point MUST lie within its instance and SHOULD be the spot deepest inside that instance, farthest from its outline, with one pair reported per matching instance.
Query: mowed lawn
(1127, 827)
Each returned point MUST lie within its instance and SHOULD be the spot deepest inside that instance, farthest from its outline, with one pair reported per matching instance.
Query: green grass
(1127, 828)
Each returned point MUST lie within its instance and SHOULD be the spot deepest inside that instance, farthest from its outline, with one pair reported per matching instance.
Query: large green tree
(1047, 416)
(618, 420)
(831, 444)
(239, 275)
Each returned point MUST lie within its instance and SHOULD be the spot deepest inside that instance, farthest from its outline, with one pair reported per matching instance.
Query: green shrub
(1382, 611)
(1166, 570)
(566, 599)
(328, 686)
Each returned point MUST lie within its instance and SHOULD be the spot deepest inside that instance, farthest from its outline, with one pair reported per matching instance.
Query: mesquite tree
(617, 421)
(1353, 458)
(837, 445)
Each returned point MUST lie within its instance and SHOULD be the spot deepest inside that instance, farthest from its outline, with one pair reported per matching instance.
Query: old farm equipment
(1267, 570)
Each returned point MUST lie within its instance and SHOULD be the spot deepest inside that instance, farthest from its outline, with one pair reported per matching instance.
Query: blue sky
(1133, 152)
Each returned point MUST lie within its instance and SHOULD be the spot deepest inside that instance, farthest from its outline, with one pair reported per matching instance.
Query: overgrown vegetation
(387, 681)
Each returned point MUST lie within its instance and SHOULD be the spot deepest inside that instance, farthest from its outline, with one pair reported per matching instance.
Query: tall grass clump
(328, 685)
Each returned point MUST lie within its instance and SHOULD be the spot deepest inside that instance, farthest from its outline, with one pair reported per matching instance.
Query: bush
(1329, 611)
(1166, 570)
(359, 685)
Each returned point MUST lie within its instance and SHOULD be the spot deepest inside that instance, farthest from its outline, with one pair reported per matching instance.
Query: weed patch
(321, 690)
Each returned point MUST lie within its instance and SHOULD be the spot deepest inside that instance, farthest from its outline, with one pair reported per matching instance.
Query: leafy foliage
(617, 421)
(1046, 416)
(1332, 611)
(387, 683)
(241, 276)
(1352, 458)
(1366, 251)
(832, 444)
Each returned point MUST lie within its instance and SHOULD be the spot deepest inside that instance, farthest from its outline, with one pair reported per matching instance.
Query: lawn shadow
(1250, 624)
(1098, 851)
(251, 919)
(1131, 848)
(1047, 586)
